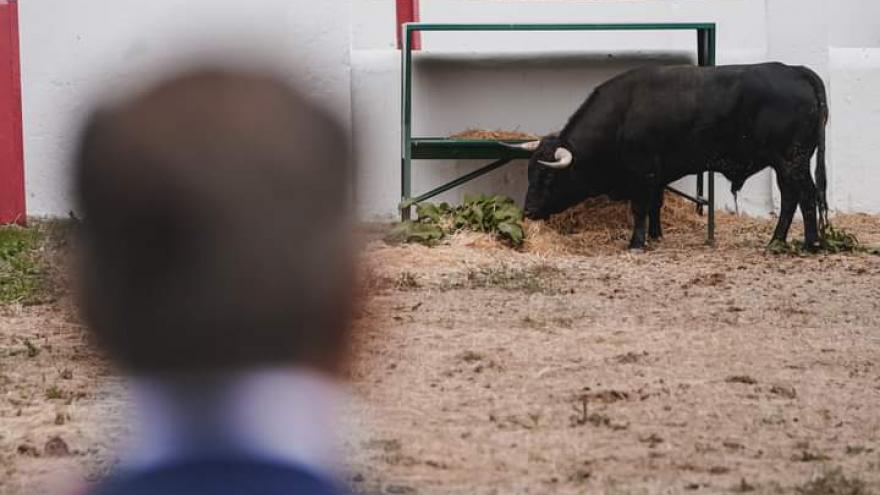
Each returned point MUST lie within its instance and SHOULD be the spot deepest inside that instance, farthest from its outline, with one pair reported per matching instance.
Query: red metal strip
(12, 199)
(408, 11)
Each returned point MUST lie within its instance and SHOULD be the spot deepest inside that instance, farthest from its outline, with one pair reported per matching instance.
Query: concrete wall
(854, 173)
(345, 52)
(71, 50)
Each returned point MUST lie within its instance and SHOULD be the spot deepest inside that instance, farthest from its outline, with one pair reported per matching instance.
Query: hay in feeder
(494, 135)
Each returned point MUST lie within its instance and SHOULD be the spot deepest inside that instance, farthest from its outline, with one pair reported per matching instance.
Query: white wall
(70, 51)
(345, 52)
(854, 123)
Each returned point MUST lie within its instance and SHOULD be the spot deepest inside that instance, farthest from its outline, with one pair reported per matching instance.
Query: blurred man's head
(215, 231)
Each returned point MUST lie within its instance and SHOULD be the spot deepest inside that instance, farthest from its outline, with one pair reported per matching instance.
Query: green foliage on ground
(838, 240)
(831, 240)
(497, 215)
(21, 274)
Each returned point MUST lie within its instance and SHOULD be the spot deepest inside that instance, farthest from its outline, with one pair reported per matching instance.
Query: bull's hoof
(778, 246)
(812, 246)
(636, 246)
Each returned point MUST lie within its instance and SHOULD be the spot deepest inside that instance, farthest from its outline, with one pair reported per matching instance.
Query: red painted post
(408, 11)
(12, 205)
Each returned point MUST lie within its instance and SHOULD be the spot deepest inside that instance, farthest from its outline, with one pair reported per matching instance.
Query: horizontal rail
(696, 199)
(462, 149)
(417, 26)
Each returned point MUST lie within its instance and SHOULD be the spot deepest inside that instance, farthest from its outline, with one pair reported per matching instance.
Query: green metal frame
(433, 148)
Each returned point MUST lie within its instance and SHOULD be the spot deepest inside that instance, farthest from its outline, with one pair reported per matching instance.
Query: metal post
(702, 48)
(711, 208)
(711, 220)
(700, 193)
(406, 125)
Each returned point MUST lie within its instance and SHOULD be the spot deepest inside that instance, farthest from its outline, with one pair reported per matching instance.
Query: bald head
(215, 231)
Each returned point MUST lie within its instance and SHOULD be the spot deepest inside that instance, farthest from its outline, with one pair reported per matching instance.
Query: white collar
(280, 414)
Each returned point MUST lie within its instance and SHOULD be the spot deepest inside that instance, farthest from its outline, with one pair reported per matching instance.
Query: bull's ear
(529, 146)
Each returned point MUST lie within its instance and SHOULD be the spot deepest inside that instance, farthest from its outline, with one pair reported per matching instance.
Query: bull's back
(683, 105)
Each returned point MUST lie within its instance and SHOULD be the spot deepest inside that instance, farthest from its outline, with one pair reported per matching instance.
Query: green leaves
(493, 214)
(422, 233)
(838, 240)
(831, 240)
(496, 214)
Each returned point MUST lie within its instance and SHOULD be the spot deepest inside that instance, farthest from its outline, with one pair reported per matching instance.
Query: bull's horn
(563, 159)
(529, 146)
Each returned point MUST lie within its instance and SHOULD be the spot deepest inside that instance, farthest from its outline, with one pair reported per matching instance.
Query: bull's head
(552, 186)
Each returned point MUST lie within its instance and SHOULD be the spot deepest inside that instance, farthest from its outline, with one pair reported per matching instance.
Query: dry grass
(600, 226)
(494, 135)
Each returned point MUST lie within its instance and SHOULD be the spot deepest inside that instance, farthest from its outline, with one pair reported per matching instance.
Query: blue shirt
(254, 432)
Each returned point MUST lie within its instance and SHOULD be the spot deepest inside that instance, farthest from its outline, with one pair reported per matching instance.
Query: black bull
(648, 127)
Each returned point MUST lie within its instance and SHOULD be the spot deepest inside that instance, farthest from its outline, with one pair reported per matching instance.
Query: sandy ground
(484, 370)
(53, 385)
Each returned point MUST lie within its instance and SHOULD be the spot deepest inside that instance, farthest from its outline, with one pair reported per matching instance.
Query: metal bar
(711, 220)
(406, 124)
(702, 48)
(560, 27)
(461, 149)
(700, 189)
(461, 180)
(695, 199)
(711, 208)
(713, 32)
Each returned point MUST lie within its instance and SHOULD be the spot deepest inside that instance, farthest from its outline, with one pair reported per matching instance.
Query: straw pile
(496, 135)
(594, 227)
(602, 225)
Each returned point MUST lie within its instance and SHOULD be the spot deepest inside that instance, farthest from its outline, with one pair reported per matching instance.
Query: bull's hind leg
(655, 228)
(807, 198)
(640, 213)
(787, 208)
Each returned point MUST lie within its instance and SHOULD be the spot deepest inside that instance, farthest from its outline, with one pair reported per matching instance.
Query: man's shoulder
(221, 477)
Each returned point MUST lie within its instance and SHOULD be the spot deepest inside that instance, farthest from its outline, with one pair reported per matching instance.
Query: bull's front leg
(639, 204)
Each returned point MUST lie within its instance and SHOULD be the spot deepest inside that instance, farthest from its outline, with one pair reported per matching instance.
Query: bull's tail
(822, 121)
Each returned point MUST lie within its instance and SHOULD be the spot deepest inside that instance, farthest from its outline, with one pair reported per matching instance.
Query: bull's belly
(733, 166)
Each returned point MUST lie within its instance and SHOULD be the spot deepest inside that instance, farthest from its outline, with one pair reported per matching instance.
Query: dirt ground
(480, 369)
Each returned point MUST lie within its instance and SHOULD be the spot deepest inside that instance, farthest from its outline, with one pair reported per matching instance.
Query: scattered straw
(601, 225)
(494, 135)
